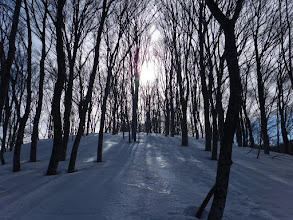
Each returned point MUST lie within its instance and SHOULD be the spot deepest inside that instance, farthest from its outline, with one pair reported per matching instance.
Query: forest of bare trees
(72, 67)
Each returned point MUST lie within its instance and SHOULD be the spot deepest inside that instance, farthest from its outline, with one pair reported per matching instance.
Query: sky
(148, 72)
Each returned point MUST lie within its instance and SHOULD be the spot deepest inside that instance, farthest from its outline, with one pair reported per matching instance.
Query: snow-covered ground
(153, 179)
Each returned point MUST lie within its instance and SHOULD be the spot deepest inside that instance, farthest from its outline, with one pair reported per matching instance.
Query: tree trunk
(195, 110)
(219, 106)
(224, 163)
(14, 133)
(184, 124)
(135, 97)
(148, 114)
(128, 123)
(239, 133)
(5, 128)
(281, 105)
(205, 202)
(35, 134)
(261, 97)
(58, 141)
(210, 96)
(2, 156)
(172, 125)
(67, 112)
(69, 90)
(182, 98)
(244, 131)
(103, 116)
(23, 120)
(84, 103)
(115, 108)
(134, 109)
(248, 125)
(290, 62)
(215, 135)
(71, 167)
(7, 63)
(203, 81)
(89, 120)
(167, 109)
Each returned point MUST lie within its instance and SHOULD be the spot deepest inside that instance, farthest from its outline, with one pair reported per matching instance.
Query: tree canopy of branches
(224, 72)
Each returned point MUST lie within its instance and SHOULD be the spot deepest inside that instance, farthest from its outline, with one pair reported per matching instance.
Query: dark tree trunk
(5, 129)
(239, 133)
(281, 106)
(248, 125)
(219, 106)
(204, 89)
(14, 132)
(35, 134)
(261, 97)
(289, 70)
(182, 97)
(69, 90)
(135, 95)
(115, 108)
(184, 123)
(88, 127)
(7, 63)
(128, 123)
(67, 112)
(178, 114)
(71, 167)
(172, 124)
(167, 109)
(195, 110)
(134, 109)
(205, 202)
(103, 116)
(290, 62)
(215, 135)
(183, 101)
(224, 163)
(148, 114)
(23, 120)
(58, 141)
(210, 95)
(2, 155)
(244, 131)
(84, 103)
(159, 112)
(110, 65)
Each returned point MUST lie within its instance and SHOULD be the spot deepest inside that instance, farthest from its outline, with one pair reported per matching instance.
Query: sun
(148, 72)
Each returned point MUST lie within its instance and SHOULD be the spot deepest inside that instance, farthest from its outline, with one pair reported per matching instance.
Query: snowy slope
(153, 179)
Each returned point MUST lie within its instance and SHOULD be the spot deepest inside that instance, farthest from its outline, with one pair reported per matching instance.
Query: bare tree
(225, 162)
(42, 35)
(201, 32)
(56, 111)
(8, 110)
(260, 53)
(6, 62)
(83, 105)
(24, 118)
(82, 23)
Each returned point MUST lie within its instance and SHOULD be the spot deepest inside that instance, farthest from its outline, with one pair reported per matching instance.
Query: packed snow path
(153, 179)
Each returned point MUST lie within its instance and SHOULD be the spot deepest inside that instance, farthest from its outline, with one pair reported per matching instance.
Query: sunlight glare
(147, 73)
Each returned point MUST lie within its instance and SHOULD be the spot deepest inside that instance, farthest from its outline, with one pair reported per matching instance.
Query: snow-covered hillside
(153, 179)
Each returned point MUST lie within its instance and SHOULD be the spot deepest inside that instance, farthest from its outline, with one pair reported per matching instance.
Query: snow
(153, 179)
